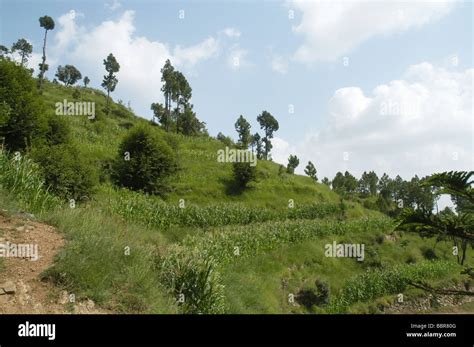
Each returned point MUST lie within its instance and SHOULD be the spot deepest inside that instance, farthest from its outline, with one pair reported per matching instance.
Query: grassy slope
(201, 180)
(93, 264)
(262, 284)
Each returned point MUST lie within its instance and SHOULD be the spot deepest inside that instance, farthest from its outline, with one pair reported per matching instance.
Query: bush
(22, 112)
(58, 131)
(244, 173)
(144, 162)
(66, 171)
(194, 282)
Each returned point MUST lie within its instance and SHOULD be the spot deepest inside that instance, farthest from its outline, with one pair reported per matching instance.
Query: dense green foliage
(68, 74)
(144, 162)
(22, 119)
(244, 173)
(69, 175)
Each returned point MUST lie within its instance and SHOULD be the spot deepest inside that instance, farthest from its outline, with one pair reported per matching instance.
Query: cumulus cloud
(331, 29)
(69, 31)
(420, 124)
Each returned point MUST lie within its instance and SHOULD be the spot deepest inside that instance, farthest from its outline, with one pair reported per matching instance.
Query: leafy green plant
(144, 162)
(21, 176)
(194, 282)
(66, 171)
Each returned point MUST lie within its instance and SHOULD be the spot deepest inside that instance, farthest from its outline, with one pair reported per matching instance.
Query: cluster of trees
(179, 117)
(67, 74)
(260, 146)
(244, 173)
(293, 162)
(26, 125)
(386, 194)
(144, 161)
(24, 48)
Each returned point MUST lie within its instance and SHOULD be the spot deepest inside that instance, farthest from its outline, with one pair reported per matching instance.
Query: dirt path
(21, 290)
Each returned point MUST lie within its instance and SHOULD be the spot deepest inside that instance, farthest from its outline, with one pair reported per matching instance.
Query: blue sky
(412, 54)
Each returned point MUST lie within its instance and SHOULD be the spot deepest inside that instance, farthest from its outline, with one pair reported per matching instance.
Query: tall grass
(194, 282)
(235, 242)
(377, 283)
(153, 212)
(20, 176)
(191, 268)
(109, 262)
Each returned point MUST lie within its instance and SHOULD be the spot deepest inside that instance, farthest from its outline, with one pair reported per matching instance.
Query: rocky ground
(431, 303)
(21, 289)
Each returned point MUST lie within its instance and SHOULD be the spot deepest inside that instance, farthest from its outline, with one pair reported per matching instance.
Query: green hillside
(201, 178)
(208, 246)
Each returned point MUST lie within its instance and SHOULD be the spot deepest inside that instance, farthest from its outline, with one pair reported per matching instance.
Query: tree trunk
(108, 101)
(44, 60)
(463, 247)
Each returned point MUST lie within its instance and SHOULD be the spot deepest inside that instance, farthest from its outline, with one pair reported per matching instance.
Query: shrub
(244, 173)
(429, 253)
(22, 117)
(226, 140)
(58, 131)
(144, 162)
(76, 94)
(194, 283)
(66, 171)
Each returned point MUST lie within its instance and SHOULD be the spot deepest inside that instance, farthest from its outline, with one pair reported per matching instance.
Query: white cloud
(231, 32)
(192, 55)
(420, 124)
(279, 64)
(237, 57)
(69, 31)
(331, 29)
(115, 5)
(140, 58)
